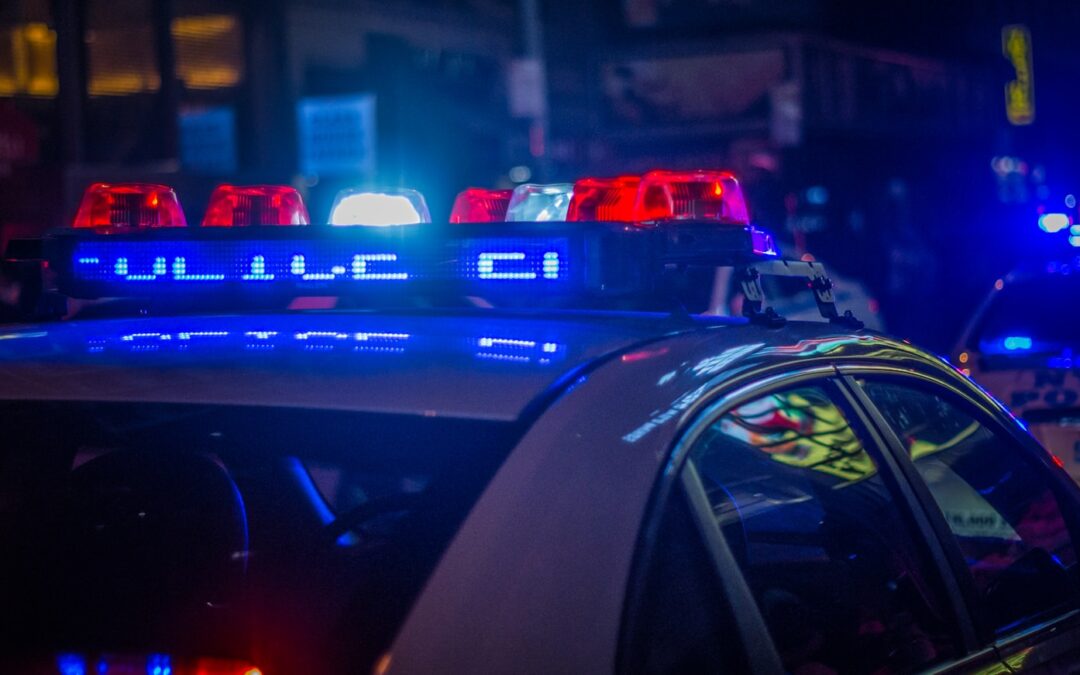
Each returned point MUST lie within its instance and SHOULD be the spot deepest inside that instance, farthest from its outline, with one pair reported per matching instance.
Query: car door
(1007, 515)
(813, 538)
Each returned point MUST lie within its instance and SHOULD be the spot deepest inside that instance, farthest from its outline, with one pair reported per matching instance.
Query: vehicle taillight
(129, 206)
(480, 205)
(604, 199)
(379, 208)
(539, 203)
(246, 205)
(690, 195)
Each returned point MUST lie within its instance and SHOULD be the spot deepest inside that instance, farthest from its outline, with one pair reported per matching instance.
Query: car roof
(479, 364)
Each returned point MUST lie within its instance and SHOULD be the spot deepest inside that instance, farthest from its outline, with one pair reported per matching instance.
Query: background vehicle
(1021, 345)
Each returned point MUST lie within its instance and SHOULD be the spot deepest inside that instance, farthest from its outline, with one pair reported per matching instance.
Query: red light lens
(604, 199)
(480, 205)
(129, 206)
(690, 195)
(241, 206)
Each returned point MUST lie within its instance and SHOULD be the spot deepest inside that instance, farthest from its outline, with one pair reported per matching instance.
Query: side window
(827, 551)
(999, 502)
(685, 624)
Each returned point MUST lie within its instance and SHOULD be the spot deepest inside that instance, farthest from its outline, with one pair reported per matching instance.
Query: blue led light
(515, 350)
(360, 267)
(202, 334)
(1015, 343)
(71, 664)
(158, 664)
(210, 262)
(486, 265)
(130, 337)
(266, 338)
(258, 270)
(179, 268)
(551, 265)
(121, 269)
(503, 357)
(491, 342)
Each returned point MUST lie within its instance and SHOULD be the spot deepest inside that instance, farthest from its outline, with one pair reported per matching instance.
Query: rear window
(292, 540)
(1031, 317)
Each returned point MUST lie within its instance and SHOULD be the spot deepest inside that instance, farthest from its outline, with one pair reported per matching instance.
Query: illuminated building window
(28, 60)
(120, 49)
(209, 50)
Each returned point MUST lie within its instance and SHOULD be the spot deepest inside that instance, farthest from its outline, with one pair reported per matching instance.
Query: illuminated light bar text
(262, 263)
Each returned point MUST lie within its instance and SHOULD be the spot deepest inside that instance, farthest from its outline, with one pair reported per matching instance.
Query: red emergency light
(129, 206)
(690, 195)
(604, 199)
(480, 205)
(247, 205)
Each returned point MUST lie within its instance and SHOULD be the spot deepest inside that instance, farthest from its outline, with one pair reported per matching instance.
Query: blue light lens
(1053, 222)
(1015, 343)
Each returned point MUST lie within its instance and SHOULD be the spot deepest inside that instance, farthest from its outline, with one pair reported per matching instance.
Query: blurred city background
(915, 147)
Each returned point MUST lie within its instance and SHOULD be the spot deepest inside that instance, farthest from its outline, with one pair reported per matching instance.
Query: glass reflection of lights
(801, 428)
(516, 350)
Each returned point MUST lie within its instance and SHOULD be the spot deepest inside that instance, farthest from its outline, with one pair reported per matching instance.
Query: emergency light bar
(599, 237)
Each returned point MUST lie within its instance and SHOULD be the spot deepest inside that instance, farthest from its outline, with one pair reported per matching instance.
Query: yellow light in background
(9, 85)
(209, 50)
(41, 77)
(28, 61)
(204, 26)
(964, 357)
(124, 83)
(121, 62)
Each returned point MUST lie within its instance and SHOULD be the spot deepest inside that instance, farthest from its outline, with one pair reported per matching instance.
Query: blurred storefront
(198, 92)
(863, 134)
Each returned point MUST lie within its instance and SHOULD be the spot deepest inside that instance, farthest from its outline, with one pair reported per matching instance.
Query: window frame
(999, 422)
(678, 474)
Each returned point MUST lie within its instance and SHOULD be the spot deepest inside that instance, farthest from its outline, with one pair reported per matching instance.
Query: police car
(1020, 345)
(507, 449)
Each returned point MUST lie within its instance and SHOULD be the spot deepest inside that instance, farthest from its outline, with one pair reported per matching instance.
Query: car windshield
(1031, 316)
(292, 540)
